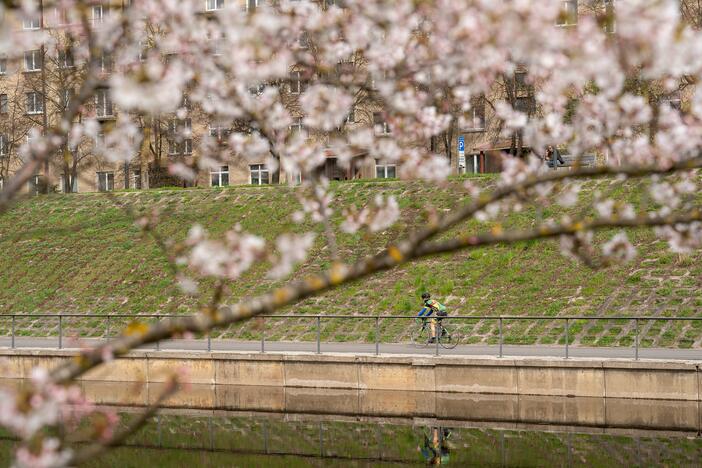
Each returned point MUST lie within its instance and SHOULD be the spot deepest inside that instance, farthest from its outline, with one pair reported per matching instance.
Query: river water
(182, 440)
(223, 426)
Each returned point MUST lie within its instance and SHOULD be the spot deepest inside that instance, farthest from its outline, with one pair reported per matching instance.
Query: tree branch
(93, 450)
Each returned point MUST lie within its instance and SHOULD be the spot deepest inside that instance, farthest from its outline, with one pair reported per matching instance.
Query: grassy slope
(82, 253)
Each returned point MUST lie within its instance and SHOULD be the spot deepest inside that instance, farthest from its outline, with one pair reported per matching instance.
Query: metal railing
(318, 320)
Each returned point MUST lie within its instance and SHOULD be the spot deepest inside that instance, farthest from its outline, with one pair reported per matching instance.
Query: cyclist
(433, 311)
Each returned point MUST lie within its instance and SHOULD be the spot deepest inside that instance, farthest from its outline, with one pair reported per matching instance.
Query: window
(105, 62)
(672, 100)
(34, 185)
(569, 13)
(385, 171)
(182, 147)
(31, 23)
(521, 85)
(100, 141)
(35, 103)
(250, 5)
(98, 14)
(345, 69)
(136, 179)
(303, 40)
(380, 125)
(525, 104)
(610, 17)
(297, 126)
(3, 104)
(476, 116)
(351, 116)
(67, 97)
(73, 184)
(105, 181)
(32, 60)
(61, 15)
(259, 174)
(103, 103)
(4, 146)
(3, 66)
(220, 132)
(297, 84)
(212, 5)
(65, 58)
(220, 177)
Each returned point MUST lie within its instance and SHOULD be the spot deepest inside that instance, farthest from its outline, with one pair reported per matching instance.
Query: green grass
(83, 254)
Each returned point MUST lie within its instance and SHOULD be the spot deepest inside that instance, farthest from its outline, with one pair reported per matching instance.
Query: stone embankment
(598, 378)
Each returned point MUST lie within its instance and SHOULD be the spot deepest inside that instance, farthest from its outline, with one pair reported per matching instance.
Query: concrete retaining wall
(529, 376)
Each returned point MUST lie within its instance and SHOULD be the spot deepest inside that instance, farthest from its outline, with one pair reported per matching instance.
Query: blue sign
(461, 143)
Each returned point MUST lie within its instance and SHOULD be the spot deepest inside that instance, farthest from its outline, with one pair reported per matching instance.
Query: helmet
(425, 296)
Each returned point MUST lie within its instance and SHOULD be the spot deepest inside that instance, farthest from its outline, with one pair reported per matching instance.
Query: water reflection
(436, 449)
(307, 440)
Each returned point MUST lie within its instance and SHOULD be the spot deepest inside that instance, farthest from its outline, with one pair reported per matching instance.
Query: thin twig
(93, 450)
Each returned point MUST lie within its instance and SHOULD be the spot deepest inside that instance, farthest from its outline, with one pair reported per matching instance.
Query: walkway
(369, 348)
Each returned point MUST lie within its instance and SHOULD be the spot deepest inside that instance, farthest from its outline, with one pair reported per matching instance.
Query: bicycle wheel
(448, 340)
(420, 337)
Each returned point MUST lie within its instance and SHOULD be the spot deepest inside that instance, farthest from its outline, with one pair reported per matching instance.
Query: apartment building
(35, 89)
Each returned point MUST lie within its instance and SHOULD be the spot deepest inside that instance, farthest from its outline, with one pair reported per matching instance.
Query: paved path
(363, 348)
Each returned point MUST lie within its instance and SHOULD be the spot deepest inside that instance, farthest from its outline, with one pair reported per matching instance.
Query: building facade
(35, 89)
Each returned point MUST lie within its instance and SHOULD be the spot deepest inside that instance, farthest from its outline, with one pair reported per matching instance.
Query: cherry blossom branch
(547, 231)
(93, 450)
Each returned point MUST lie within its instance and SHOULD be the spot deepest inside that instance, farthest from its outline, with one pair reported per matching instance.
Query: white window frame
(73, 183)
(384, 169)
(105, 62)
(67, 97)
(297, 85)
(259, 170)
(478, 120)
(381, 128)
(98, 14)
(37, 103)
(32, 58)
(3, 146)
(611, 17)
(106, 175)
(135, 179)
(296, 126)
(61, 16)
(219, 173)
(65, 58)
(104, 109)
(33, 184)
(215, 5)
(31, 23)
(567, 17)
(219, 132)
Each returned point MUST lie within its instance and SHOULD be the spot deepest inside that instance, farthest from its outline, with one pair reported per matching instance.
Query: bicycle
(421, 336)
